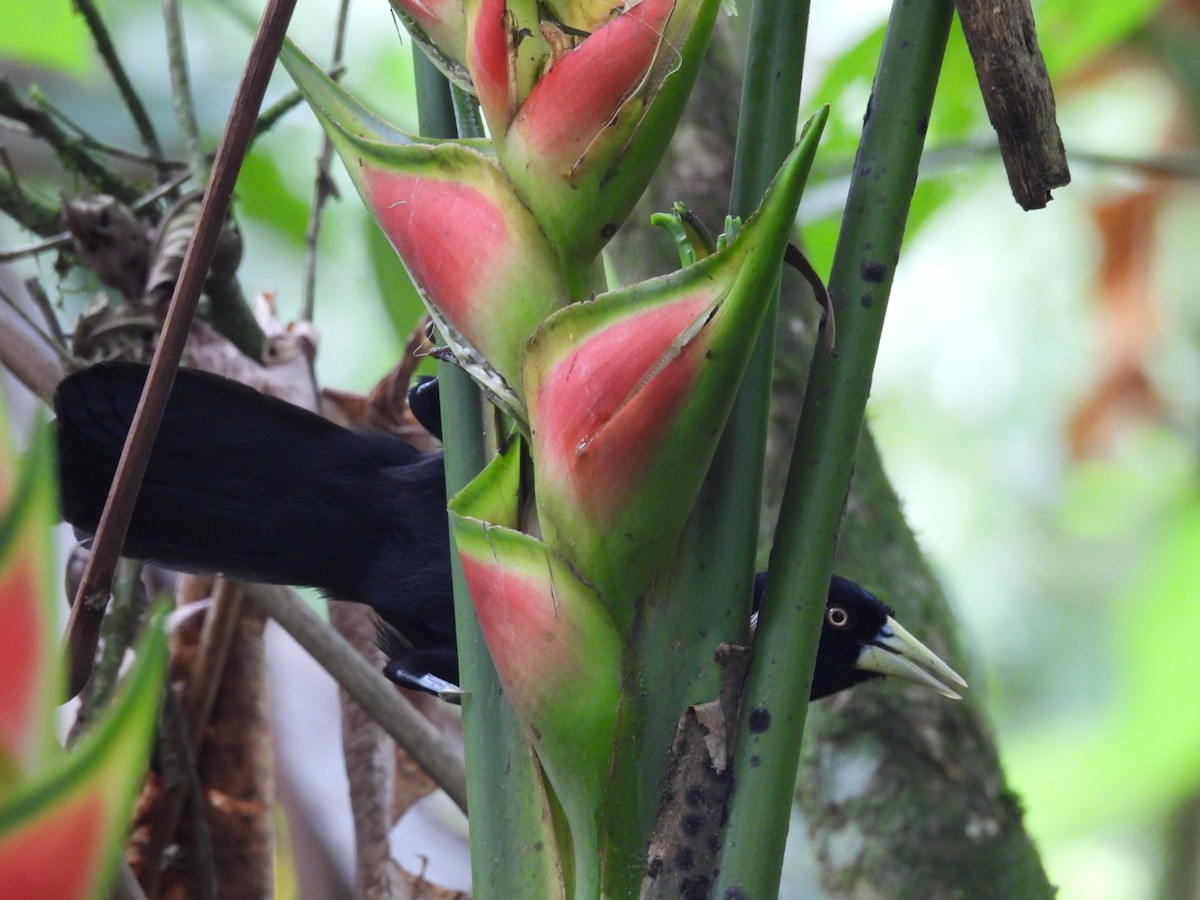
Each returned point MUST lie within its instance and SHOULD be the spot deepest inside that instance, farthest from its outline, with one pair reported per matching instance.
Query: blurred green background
(1037, 399)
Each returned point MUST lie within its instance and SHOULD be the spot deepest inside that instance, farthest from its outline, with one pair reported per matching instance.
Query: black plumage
(258, 489)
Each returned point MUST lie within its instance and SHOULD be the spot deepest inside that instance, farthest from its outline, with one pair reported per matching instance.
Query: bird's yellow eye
(837, 617)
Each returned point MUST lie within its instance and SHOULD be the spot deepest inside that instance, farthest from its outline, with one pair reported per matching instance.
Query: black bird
(258, 489)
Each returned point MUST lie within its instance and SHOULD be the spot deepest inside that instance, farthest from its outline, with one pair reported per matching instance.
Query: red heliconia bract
(605, 406)
(579, 96)
(628, 394)
(23, 648)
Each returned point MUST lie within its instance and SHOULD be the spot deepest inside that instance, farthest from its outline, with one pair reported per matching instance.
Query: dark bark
(1016, 91)
(903, 791)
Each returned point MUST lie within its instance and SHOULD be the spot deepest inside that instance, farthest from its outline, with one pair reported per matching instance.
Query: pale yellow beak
(897, 653)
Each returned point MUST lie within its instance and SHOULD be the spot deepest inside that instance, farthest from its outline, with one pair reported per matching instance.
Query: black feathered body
(259, 489)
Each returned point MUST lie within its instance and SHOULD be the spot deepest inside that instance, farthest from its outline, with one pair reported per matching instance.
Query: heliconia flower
(581, 142)
(506, 54)
(555, 646)
(31, 686)
(628, 394)
(439, 27)
(476, 254)
(61, 831)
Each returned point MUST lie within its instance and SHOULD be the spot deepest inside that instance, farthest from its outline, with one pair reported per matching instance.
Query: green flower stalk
(556, 649)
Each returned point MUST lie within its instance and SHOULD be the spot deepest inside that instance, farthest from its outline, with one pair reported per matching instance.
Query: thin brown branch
(217, 635)
(187, 792)
(54, 330)
(220, 627)
(20, 313)
(370, 762)
(89, 603)
(91, 142)
(369, 689)
(26, 353)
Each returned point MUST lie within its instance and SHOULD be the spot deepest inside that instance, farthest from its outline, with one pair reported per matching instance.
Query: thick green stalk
(775, 702)
(510, 856)
(721, 539)
(702, 597)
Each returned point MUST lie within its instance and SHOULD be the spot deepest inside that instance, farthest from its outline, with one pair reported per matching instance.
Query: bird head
(860, 640)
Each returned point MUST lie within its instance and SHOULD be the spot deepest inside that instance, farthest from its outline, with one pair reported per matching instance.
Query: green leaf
(32, 682)
(60, 834)
(52, 35)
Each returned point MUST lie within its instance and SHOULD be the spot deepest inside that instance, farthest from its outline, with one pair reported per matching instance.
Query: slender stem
(188, 720)
(732, 494)
(26, 353)
(366, 686)
(108, 52)
(88, 607)
(323, 187)
(181, 91)
(719, 545)
(20, 313)
(70, 150)
(120, 629)
(186, 792)
(91, 142)
(54, 331)
(775, 701)
(221, 622)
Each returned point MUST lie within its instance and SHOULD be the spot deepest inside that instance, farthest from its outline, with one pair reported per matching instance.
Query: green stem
(137, 110)
(181, 91)
(510, 853)
(71, 151)
(725, 526)
(775, 701)
(702, 598)
(32, 214)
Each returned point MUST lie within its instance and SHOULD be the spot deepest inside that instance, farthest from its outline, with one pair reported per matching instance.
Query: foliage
(1062, 567)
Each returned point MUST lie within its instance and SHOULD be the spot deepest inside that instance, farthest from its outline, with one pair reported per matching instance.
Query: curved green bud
(628, 395)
